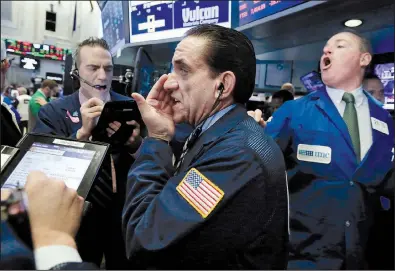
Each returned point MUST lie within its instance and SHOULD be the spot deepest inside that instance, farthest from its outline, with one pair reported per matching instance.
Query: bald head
(289, 87)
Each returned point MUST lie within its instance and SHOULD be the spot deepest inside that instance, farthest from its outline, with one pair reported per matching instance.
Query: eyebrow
(98, 66)
(181, 62)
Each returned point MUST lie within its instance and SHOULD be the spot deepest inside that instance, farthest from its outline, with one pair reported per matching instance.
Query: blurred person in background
(42, 96)
(10, 132)
(23, 107)
(374, 86)
(289, 87)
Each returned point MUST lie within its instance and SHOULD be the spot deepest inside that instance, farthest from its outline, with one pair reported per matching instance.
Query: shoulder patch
(202, 194)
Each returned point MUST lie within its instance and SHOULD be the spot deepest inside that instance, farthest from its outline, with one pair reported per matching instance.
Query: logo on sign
(198, 16)
(151, 24)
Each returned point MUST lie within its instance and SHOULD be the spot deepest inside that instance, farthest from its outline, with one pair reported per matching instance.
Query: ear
(365, 59)
(228, 80)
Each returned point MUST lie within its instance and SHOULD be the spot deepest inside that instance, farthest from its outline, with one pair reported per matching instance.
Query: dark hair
(229, 50)
(49, 83)
(283, 94)
(91, 42)
(370, 76)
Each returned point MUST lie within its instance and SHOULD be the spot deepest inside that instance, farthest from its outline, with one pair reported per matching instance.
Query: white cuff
(50, 256)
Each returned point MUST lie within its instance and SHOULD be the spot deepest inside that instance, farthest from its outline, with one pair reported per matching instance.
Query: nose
(171, 83)
(327, 49)
(101, 74)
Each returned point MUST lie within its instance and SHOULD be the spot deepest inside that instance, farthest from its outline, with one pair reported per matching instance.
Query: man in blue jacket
(223, 202)
(76, 116)
(337, 144)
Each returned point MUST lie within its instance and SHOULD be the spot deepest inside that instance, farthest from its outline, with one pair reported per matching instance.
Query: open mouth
(100, 87)
(326, 63)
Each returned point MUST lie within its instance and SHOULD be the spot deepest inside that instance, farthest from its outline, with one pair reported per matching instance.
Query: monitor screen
(250, 11)
(144, 73)
(113, 25)
(60, 162)
(161, 20)
(386, 74)
(312, 81)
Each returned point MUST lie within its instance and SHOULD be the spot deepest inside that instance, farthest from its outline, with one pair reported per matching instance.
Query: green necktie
(351, 119)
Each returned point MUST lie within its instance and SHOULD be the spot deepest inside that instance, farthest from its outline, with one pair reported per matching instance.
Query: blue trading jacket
(329, 191)
(246, 229)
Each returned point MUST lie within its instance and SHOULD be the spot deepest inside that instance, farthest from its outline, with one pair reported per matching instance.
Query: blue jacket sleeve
(156, 217)
(278, 128)
(51, 121)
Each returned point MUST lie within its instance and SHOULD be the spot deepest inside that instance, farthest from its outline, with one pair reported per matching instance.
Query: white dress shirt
(50, 256)
(363, 114)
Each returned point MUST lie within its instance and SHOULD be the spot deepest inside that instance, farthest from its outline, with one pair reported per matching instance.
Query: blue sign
(250, 11)
(155, 20)
(192, 13)
(152, 17)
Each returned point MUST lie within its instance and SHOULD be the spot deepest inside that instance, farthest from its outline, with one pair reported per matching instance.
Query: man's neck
(349, 85)
(219, 107)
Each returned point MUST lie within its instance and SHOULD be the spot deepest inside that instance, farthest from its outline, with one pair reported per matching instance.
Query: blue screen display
(250, 11)
(312, 82)
(386, 74)
(113, 24)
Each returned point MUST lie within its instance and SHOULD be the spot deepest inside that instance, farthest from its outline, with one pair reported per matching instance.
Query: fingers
(258, 115)
(110, 132)
(133, 122)
(92, 102)
(34, 177)
(262, 123)
(157, 88)
(5, 193)
(97, 108)
(115, 125)
(142, 104)
(251, 113)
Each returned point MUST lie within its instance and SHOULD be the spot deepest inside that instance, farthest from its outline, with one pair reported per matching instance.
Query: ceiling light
(353, 23)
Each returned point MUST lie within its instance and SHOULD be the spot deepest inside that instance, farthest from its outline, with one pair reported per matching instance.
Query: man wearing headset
(75, 116)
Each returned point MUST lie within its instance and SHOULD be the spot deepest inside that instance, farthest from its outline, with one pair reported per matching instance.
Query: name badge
(314, 153)
(380, 126)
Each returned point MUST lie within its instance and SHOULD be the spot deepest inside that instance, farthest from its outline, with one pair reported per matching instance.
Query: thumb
(141, 102)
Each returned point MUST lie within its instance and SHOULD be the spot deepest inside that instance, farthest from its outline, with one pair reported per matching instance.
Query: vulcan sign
(200, 16)
(157, 20)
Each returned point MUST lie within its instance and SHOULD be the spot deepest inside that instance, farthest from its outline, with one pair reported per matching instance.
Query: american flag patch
(200, 192)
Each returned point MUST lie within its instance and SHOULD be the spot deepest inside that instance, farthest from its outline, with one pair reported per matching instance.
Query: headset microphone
(75, 74)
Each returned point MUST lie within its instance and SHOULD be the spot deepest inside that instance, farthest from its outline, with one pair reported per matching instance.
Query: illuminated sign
(36, 50)
(250, 11)
(29, 63)
(156, 20)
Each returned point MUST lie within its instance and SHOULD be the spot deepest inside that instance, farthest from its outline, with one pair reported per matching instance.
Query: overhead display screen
(113, 25)
(156, 20)
(25, 48)
(386, 74)
(250, 11)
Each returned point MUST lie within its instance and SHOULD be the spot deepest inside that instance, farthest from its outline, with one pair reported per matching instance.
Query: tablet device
(77, 163)
(121, 111)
